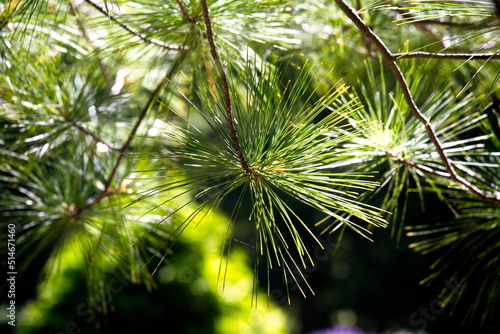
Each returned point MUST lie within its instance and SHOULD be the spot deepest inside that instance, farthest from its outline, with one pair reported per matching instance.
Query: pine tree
(124, 123)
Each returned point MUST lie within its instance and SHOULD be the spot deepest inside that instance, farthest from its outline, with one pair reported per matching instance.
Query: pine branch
(448, 23)
(107, 190)
(418, 166)
(227, 94)
(184, 12)
(458, 56)
(390, 59)
(133, 31)
(90, 134)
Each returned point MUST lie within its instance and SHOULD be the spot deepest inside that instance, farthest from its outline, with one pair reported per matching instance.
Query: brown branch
(227, 94)
(184, 12)
(390, 59)
(418, 166)
(464, 25)
(107, 191)
(90, 134)
(459, 56)
(133, 31)
(432, 171)
(497, 7)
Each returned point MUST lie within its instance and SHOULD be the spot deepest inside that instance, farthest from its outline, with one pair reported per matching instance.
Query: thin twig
(470, 25)
(90, 134)
(432, 171)
(416, 165)
(458, 56)
(227, 94)
(184, 12)
(107, 190)
(423, 24)
(390, 60)
(133, 31)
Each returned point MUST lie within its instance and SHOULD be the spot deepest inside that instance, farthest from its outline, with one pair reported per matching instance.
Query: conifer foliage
(124, 123)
